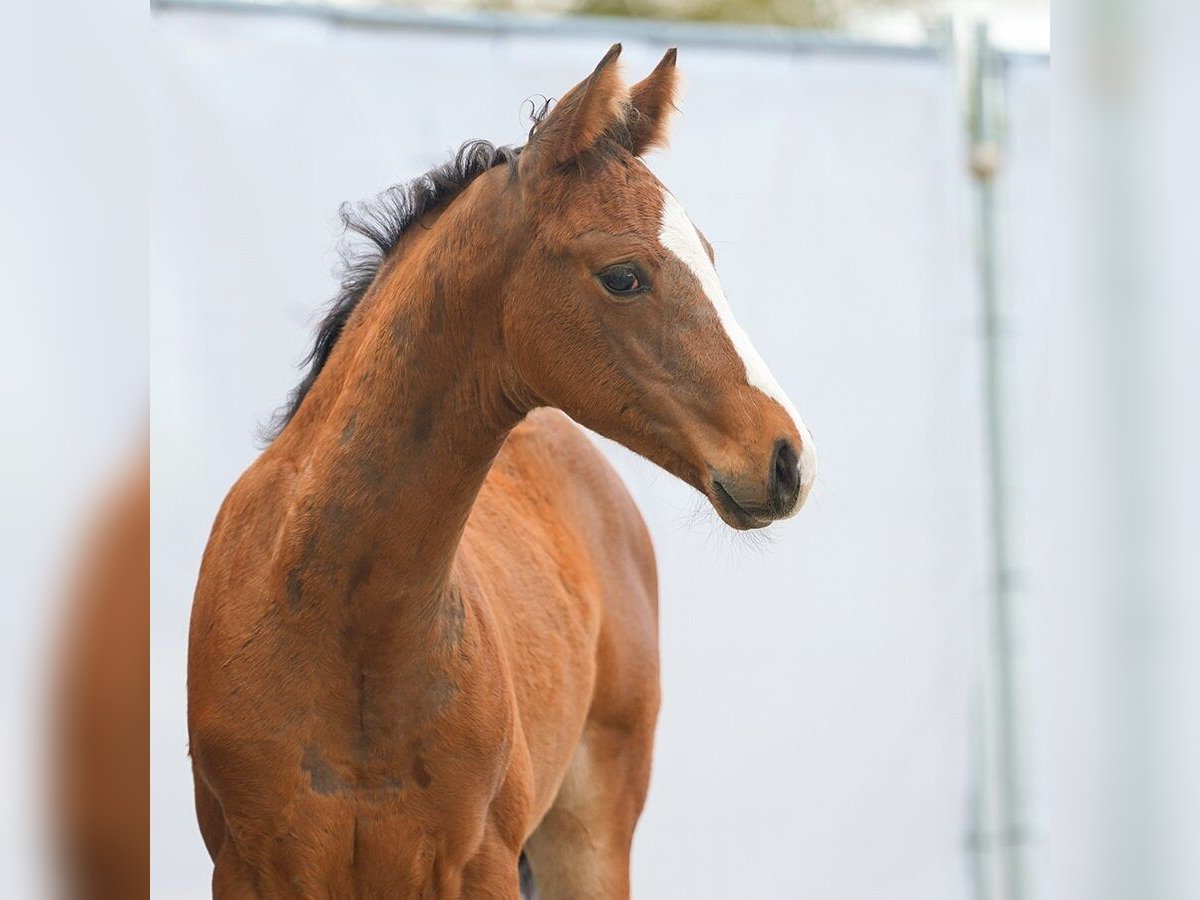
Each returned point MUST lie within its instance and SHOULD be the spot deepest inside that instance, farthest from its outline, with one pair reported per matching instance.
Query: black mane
(374, 228)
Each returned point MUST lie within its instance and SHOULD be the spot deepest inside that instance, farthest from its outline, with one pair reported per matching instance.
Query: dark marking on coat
(422, 423)
(372, 475)
(438, 696)
(359, 575)
(324, 780)
(349, 429)
(452, 616)
(336, 519)
(401, 328)
(421, 774)
(295, 590)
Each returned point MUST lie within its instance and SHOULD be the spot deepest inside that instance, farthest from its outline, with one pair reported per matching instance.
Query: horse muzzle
(755, 501)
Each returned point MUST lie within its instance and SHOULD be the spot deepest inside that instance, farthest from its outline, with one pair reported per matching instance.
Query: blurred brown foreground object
(101, 725)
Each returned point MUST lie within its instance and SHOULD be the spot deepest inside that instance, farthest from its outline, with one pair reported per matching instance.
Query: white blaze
(678, 235)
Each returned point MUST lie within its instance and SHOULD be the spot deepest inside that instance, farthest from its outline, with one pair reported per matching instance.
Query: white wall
(816, 728)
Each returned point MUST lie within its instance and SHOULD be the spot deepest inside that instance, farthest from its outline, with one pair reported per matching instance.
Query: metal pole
(1006, 833)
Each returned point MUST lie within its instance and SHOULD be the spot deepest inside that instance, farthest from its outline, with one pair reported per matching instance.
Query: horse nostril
(785, 476)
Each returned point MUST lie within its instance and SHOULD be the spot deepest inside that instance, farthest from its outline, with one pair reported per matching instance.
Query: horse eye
(621, 280)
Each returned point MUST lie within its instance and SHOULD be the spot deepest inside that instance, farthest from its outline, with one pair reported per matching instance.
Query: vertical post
(1001, 833)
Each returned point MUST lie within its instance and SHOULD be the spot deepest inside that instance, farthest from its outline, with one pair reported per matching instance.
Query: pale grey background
(816, 733)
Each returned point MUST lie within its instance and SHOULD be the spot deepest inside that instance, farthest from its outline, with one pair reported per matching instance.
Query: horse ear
(578, 120)
(651, 101)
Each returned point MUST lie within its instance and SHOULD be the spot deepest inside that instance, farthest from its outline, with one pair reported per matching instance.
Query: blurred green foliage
(806, 13)
(792, 13)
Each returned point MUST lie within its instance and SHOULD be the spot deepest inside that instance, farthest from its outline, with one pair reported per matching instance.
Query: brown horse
(424, 640)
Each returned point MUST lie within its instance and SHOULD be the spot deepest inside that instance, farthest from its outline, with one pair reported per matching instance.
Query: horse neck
(396, 436)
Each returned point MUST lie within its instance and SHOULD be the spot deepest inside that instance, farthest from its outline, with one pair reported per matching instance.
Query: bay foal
(424, 639)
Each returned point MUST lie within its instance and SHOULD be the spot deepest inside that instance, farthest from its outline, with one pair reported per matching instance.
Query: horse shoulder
(603, 587)
(589, 497)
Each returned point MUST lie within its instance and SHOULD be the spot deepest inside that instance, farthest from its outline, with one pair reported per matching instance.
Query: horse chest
(418, 776)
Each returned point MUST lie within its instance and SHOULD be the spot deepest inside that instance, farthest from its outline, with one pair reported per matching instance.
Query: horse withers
(424, 640)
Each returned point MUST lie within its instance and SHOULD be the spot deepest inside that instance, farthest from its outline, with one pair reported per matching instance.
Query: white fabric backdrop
(815, 738)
